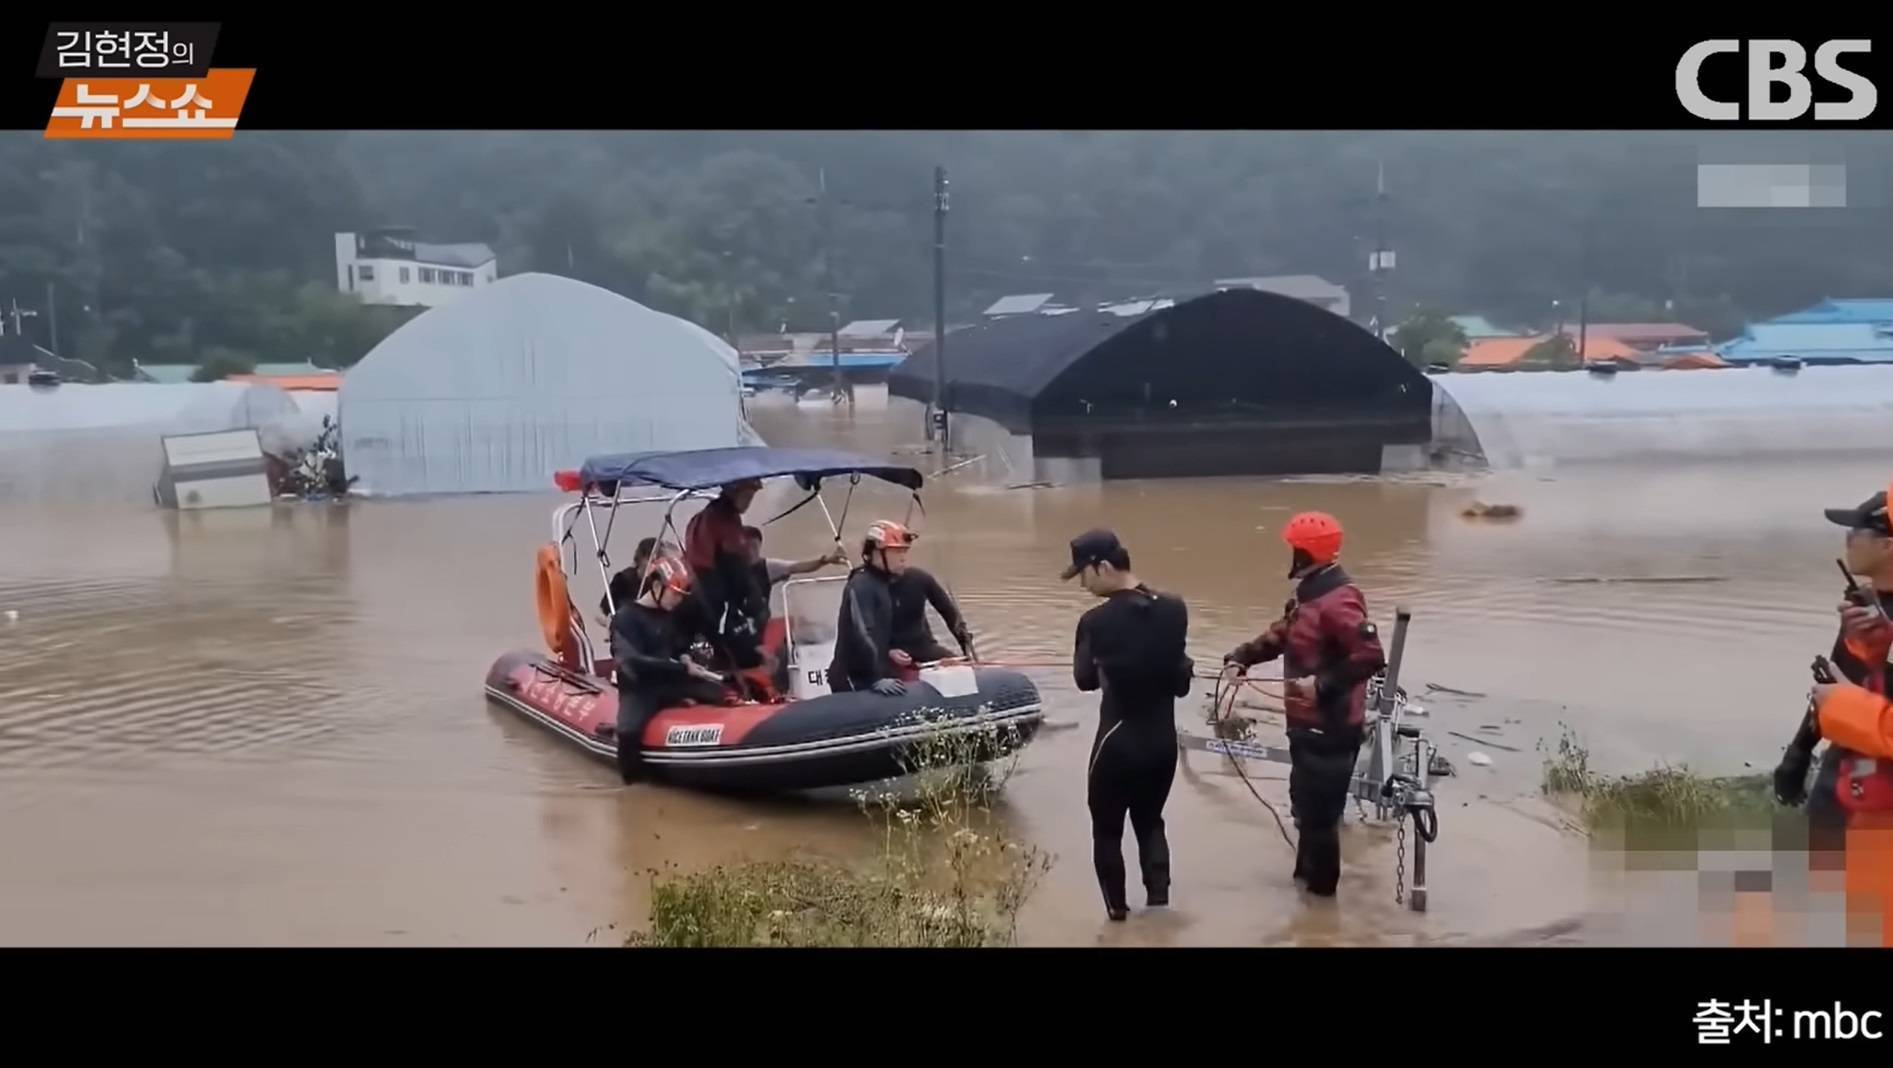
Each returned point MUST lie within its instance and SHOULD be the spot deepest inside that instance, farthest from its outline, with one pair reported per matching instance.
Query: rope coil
(1235, 762)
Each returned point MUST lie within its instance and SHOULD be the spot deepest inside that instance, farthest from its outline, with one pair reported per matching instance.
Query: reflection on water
(267, 726)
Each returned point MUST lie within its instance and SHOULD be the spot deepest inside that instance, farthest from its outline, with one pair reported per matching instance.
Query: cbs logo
(1778, 62)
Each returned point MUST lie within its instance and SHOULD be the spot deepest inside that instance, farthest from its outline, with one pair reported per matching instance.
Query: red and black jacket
(1857, 773)
(1324, 632)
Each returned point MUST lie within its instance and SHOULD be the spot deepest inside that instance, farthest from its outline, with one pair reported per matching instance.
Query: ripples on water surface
(267, 727)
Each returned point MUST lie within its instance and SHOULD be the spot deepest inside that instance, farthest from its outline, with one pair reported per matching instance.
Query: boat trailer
(1393, 779)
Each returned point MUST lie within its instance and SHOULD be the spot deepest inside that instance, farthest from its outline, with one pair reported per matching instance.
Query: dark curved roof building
(1233, 382)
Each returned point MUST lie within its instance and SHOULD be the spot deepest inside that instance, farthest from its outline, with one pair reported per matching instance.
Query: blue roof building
(1813, 342)
(1842, 311)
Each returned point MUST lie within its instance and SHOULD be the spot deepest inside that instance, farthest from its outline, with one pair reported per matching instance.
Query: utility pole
(16, 313)
(828, 281)
(937, 413)
(52, 317)
(1383, 256)
(1584, 294)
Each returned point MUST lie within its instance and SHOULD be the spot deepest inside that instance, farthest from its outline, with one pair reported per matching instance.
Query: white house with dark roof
(392, 266)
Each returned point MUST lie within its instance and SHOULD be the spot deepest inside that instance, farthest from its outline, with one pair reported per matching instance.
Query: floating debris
(13, 615)
(1482, 510)
(1435, 687)
(1483, 741)
(1650, 579)
(955, 467)
(1478, 759)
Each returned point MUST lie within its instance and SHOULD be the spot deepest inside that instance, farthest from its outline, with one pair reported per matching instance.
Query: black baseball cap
(1870, 515)
(1095, 547)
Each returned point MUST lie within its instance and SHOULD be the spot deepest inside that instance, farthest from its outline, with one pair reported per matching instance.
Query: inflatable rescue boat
(763, 739)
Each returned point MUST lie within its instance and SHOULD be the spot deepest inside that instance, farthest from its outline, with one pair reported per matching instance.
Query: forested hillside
(183, 252)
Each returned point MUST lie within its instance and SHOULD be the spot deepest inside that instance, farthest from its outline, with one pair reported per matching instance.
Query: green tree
(1429, 337)
(156, 251)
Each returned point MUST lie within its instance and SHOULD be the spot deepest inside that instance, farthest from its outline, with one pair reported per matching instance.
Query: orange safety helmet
(890, 535)
(673, 573)
(1316, 533)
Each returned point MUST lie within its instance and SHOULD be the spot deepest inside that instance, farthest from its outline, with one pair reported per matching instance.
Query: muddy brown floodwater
(267, 727)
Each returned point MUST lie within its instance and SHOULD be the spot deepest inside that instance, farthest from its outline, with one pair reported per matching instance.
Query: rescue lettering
(557, 699)
(704, 734)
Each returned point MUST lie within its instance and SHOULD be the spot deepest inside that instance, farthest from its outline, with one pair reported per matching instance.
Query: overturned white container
(219, 469)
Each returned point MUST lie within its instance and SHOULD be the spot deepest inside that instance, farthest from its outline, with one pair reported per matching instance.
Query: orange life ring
(553, 599)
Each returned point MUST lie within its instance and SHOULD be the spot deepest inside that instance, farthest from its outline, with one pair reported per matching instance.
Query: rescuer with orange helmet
(650, 642)
(1851, 806)
(865, 656)
(1329, 649)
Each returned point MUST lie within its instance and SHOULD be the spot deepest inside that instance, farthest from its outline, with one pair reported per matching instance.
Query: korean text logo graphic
(141, 81)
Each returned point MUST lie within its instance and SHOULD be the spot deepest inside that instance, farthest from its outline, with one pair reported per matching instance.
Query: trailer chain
(1400, 864)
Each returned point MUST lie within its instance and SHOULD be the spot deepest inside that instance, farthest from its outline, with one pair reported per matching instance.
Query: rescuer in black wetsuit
(865, 655)
(1132, 647)
(649, 643)
(913, 591)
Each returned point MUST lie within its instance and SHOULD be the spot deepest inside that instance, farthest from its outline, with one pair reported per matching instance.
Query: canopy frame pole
(598, 549)
(564, 522)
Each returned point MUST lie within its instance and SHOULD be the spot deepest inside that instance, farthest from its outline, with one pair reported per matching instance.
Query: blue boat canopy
(709, 468)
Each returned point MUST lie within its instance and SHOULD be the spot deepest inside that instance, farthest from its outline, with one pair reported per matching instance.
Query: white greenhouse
(528, 376)
(1537, 419)
(102, 443)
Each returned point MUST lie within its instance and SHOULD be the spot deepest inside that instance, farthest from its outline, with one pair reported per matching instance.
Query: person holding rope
(1329, 649)
(1131, 648)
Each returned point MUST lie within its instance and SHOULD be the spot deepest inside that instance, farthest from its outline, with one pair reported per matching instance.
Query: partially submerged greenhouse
(103, 443)
(496, 391)
(1548, 418)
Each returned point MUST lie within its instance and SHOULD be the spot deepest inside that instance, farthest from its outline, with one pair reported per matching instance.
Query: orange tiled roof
(322, 383)
(1696, 361)
(1501, 352)
(1497, 351)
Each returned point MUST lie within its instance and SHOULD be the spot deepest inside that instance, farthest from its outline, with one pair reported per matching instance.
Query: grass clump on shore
(1668, 795)
(946, 874)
